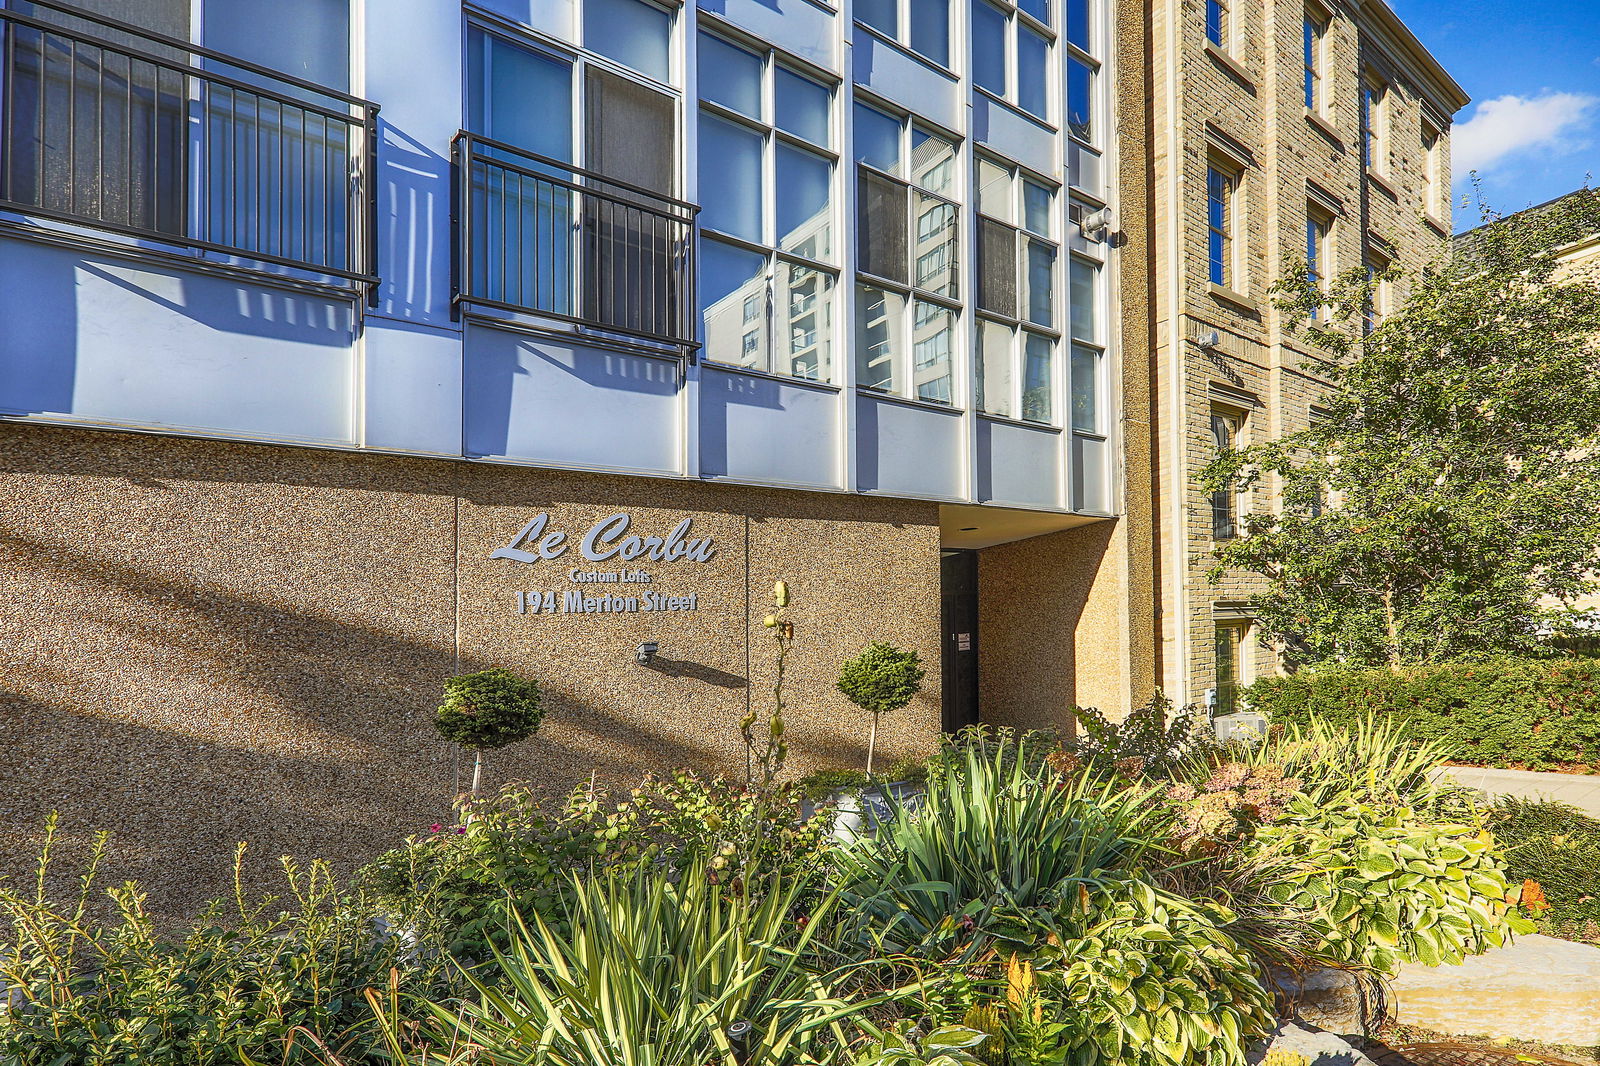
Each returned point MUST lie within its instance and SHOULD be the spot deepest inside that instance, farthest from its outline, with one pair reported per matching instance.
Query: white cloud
(1510, 124)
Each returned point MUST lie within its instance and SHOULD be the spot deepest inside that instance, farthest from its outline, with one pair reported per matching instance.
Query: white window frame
(1020, 325)
(1016, 20)
(1320, 25)
(902, 34)
(903, 372)
(772, 61)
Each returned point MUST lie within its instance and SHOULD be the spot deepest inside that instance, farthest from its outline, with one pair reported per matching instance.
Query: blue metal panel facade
(107, 326)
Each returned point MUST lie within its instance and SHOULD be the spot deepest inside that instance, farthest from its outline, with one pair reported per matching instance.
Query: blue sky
(1532, 68)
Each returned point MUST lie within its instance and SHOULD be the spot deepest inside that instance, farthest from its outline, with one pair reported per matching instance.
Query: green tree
(881, 679)
(488, 709)
(1451, 493)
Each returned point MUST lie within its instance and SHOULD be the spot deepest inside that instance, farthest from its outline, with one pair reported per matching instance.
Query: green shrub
(1007, 860)
(1149, 979)
(992, 846)
(489, 709)
(1149, 742)
(1557, 846)
(1503, 712)
(1004, 746)
(658, 971)
(1382, 886)
(882, 679)
(516, 850)
(824, 783)
(1371, 760)
(242, 981)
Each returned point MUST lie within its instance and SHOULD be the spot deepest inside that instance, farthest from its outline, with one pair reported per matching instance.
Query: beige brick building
(1283, 130)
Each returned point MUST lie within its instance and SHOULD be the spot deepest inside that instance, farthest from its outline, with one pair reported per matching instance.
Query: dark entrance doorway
(959, 616)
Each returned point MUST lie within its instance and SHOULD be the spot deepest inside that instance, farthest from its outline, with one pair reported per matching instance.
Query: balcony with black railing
(111, 127)
(536, 236)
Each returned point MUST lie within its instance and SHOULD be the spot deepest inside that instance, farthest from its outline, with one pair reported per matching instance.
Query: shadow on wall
(186, 718)
(245, 357)
(202, 642)
(532, 398)
(414, 199)
(1032, 599)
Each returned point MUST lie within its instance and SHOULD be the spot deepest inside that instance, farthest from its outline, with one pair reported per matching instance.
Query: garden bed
(1113, 900)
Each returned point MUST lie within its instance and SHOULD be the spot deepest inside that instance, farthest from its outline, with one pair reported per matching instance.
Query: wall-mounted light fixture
(645, 654)
(1209, 341)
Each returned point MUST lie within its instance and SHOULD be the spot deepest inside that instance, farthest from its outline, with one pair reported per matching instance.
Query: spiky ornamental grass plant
(656, 972)
(1029, 890)
(992, 842)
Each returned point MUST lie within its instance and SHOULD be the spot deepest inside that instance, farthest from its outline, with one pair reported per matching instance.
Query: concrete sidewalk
(1576, 790)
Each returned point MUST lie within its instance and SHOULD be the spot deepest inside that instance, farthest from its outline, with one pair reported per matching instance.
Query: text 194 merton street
(575, 602)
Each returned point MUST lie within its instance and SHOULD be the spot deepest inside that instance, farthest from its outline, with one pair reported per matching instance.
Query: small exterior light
(645, 654)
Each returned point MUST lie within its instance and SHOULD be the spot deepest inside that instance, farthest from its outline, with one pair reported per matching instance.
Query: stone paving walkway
(1577, 790)
(1538, 988)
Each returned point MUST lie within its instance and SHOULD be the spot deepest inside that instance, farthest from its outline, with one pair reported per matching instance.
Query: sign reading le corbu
(608, 539)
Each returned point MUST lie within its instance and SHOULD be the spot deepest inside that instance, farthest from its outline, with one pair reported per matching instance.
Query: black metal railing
(146, 135)
(540, 236)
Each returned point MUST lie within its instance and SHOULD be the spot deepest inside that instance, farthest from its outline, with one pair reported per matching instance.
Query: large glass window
(767, 249)
(1217, 22)
(1314, 47)
(1225, 425)
(634, 33)
(537, 271)
(1319, 249)
(1375, 124)
(1231, 667)
(1222, 202)
(1090, 416)
(1379, 288)
(1011, 46)
(907, 244)
(1019, 320)
(549, 238)
(921, 25)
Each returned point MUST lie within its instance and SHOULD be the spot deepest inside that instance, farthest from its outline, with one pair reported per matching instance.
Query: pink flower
(460, 830)
(435, 827)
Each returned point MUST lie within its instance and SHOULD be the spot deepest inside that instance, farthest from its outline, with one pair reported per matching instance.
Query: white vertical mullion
(964, 339)
(842, 122)
(769, 203)
(689, 405)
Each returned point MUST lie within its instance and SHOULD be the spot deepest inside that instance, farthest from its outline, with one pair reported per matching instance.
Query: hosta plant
(949, 1045)
(1382, 886)
(1150, 979)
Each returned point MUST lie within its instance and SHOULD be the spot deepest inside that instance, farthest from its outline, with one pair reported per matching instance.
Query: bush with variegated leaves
(1384, 886)
(1153, 980)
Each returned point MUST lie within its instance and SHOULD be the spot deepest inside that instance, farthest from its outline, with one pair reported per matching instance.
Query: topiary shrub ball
(882, 678)
(489, 709)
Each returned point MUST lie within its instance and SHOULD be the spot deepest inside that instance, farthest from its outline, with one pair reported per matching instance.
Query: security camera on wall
(1096, 226)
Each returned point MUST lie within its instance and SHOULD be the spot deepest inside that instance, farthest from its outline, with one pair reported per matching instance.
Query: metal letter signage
(608, 539)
